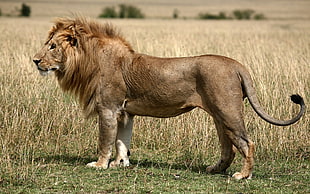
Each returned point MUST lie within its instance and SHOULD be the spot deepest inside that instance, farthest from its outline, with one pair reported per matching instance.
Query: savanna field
(45, 142)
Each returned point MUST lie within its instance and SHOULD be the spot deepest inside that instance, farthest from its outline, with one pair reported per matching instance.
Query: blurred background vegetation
(124, 11)
(196, 9)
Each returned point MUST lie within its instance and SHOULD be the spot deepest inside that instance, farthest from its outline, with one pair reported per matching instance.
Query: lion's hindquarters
(221, 89)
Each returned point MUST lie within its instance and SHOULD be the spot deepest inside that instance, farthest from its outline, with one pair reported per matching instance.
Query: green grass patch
(69, 174)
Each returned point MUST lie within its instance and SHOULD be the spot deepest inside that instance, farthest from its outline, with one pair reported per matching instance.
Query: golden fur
(96, 64)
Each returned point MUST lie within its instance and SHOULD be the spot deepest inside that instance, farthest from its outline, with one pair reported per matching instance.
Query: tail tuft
(297, 99)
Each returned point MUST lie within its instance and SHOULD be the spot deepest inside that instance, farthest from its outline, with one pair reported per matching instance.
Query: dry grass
(39, 123)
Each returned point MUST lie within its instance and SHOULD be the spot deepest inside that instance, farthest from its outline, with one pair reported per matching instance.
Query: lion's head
(75, 51)
(61, 42)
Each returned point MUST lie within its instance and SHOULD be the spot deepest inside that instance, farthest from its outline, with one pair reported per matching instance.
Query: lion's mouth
(46, 71)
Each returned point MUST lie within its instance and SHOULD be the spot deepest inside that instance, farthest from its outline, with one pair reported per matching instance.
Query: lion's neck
(82, 75)
(81, 81)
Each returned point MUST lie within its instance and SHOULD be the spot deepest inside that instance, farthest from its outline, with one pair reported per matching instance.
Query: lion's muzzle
(37, 61)
(44, 71)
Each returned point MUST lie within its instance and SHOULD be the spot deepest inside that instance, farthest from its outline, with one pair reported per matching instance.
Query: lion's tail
(251, 95)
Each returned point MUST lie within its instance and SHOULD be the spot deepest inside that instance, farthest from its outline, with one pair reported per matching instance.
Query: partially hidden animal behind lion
(111, 80)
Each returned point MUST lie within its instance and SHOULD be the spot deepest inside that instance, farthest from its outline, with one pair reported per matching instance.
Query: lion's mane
(82, 72)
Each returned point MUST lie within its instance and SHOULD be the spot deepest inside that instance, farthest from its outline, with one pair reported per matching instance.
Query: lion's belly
(167, 108)
(159, 111)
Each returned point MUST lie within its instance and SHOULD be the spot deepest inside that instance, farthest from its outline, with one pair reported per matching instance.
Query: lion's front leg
(122, 144)
(107, 137)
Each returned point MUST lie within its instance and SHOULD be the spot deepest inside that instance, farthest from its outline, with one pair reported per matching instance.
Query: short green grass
(61, 174)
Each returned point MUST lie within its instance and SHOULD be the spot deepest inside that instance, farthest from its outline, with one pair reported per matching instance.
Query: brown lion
(112, 81)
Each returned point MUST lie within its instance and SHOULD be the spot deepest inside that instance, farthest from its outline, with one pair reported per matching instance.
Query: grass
(68, 175)
(45, 142)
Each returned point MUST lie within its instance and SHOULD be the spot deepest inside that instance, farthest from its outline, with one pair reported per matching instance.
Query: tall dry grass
(39, 125)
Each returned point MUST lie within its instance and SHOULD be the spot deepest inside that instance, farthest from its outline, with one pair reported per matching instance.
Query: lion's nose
(37, 61)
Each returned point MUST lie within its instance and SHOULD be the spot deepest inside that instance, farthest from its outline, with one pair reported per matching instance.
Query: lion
(110, 80)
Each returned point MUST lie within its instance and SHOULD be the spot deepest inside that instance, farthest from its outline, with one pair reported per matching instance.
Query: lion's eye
(53, 46)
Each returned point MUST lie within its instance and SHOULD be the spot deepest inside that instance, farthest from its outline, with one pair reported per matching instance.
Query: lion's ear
(72, 40)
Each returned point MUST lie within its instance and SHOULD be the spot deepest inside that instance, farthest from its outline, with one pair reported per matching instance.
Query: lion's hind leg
(248, 163)
(231, 131)
(227, 150)
(235, 130)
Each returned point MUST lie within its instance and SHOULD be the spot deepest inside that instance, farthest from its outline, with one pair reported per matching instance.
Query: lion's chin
(48, 71)
(45, 73)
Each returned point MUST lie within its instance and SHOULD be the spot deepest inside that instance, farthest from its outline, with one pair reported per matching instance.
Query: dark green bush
(243, 14)
(259, 16)
(108, 12)
(246, 14)
(175, 14)
(125, 11)
(25, 10)
(129, 11)
(208, 16)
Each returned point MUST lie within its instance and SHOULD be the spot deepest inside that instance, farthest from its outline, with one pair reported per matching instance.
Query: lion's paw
(210, 169)
(214, 169)
(120, 163)
(97, 165)
(239, 176)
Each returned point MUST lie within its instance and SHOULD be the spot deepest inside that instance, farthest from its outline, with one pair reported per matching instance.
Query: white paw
(120, 163)
(239, 176)
(97, 165)
(126, 163)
